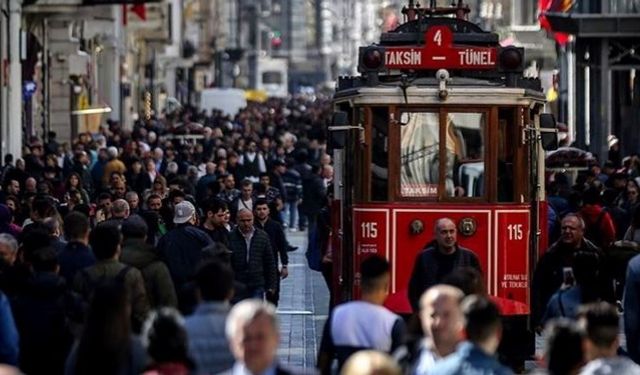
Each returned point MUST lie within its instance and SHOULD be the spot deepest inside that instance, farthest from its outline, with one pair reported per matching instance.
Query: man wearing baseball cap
(182, 247)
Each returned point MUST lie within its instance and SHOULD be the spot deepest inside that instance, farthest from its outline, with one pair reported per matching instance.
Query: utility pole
(14, 130)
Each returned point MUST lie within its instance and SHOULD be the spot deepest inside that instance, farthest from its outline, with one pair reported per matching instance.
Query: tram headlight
(371, 62)
(511, 59)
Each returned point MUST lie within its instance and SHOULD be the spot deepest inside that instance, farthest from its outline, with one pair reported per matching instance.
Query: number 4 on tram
(441, 123)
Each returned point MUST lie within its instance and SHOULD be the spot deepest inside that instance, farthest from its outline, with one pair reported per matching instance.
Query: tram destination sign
(439, 52)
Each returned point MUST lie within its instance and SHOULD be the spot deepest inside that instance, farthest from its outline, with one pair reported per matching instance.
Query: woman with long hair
(160, 186)
(15, 206)
(74, 182)
(106, 345)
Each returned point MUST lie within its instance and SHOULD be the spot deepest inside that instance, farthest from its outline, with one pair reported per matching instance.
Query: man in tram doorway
(439, 259)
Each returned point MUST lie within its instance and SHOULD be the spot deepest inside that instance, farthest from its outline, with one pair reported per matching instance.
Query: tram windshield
(463, 149)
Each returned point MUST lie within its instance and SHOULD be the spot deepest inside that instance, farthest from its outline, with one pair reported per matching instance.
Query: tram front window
(465, 154)
(419, 153)
(463, 170)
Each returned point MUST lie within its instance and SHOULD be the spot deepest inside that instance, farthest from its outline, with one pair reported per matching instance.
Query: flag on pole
(554, 6)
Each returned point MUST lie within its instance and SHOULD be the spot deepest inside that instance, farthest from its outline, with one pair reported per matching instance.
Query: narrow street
(303, 309)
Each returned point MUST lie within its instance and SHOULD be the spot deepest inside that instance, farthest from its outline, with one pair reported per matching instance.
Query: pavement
(302, 309)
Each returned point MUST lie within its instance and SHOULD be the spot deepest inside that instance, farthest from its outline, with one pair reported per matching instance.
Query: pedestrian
(600, 323)
(76, 255)
(203, 183)
(563, 352)
(119, 212)
(252, 258)
(442, 324)
(229, 193)
(371, 362)
(165, 339)
(292, 182)
(181, 249)
(252, 163)
(9, 347)
(106, 244)
(8, 250)
(558, 260)
(599, 226)
(254, 335)
(483, 330)
(314, 198)
(136, 252)
(439, 259)
(245, 200)
(362, 324)
(631, 303)
(41, 317)
(208, 345)
(133, 200)
(278, 244)
(107, 345)
(213, 223)
(272, 196)
(578, 288)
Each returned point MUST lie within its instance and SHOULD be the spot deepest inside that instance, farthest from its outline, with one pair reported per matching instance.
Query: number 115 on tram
(441, 122)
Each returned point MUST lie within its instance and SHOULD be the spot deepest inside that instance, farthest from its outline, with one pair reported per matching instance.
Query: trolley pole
(14, 130)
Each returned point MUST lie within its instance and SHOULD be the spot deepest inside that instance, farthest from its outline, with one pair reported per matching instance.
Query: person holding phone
(550, 273)
(578, 287)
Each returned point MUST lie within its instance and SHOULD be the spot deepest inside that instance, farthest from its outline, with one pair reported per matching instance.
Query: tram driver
(439, 259)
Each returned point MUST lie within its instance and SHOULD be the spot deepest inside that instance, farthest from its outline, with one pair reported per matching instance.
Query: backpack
(119, 279)
(76, 305)
(593, 233)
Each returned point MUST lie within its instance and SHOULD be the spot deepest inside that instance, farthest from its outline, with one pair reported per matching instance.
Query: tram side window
(379, 154)
(507, 144)
(419, 153)
(465, 155)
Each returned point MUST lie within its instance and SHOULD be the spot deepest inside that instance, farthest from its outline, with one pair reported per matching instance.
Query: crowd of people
(123, 252)
(160, 250)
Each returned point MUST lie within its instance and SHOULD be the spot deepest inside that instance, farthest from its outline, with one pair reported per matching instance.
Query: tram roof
(417, 95)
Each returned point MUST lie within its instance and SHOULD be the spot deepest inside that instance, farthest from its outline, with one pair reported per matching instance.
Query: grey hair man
(253, 332)
(119, 211)
(134, 201)
(8, 249)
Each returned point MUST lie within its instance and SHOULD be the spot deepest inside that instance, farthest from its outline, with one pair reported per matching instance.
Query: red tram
(440, 123)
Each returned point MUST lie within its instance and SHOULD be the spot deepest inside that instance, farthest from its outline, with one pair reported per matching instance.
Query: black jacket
(314, 195)
(548, 275)
(260, 271)
(278, 240)
(181, 248)
(427, 273)
(40, 315)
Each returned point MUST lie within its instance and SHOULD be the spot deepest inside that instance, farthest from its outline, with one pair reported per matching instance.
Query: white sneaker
(293, 230)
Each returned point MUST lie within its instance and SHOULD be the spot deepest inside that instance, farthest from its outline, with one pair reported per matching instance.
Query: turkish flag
(140, 11)
(561, 6)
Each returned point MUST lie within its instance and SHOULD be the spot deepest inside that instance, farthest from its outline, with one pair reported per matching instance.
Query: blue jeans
(291, 214)
(256, 293)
